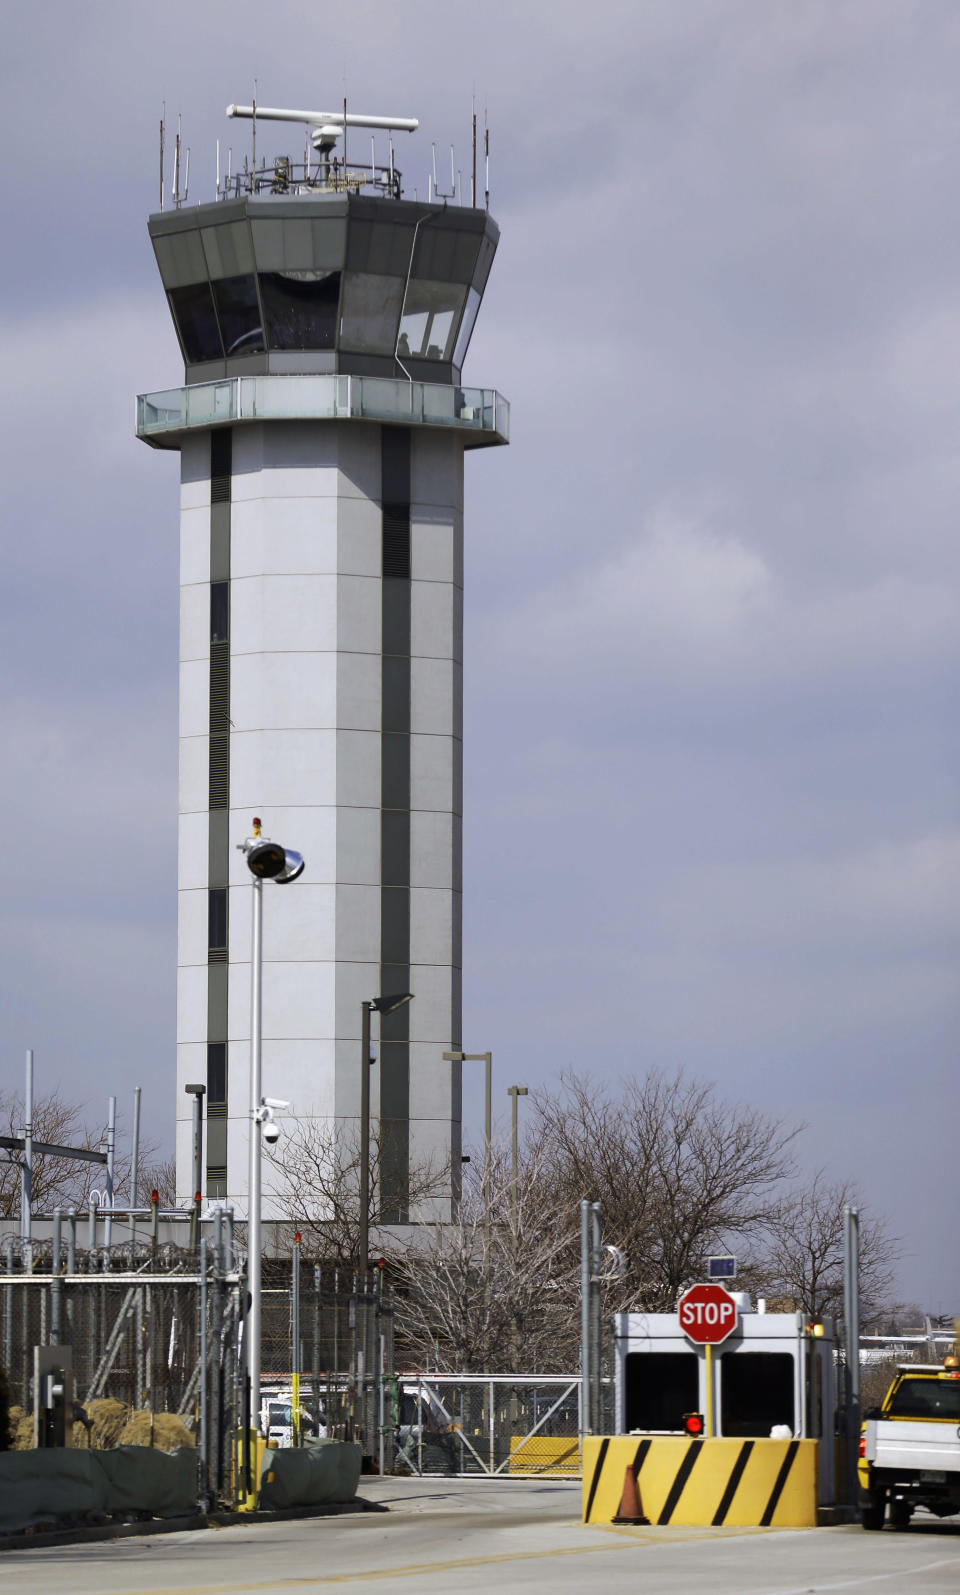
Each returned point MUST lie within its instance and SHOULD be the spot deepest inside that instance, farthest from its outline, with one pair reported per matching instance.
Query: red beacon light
(694, 1424)
(951, 1365)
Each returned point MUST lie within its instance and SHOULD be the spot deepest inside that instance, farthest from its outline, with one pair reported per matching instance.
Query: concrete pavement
(441, 1535)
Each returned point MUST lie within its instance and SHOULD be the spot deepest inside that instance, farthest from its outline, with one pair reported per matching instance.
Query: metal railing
(275, 397)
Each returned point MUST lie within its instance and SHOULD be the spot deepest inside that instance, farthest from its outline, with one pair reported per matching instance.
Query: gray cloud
(712, 586)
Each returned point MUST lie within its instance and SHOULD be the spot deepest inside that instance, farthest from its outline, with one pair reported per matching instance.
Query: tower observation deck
(323, 320)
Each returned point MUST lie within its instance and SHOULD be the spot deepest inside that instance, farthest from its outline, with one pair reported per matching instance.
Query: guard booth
(774, 1374)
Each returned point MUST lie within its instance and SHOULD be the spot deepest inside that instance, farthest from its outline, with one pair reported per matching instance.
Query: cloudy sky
(712, 587)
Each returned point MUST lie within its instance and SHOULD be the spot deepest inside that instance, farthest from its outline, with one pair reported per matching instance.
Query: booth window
(756, 1392)
(660, 1386)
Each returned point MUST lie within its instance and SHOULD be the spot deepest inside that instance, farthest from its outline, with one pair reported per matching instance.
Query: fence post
(203, 1472)
(295, 1339)
(56, 1283)
(596, 1327)
(585, 1271)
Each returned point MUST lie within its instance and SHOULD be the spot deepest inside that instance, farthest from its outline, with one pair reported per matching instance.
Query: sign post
(707, 1314)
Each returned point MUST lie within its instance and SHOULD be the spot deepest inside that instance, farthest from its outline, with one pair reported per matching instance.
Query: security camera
(271, 1132)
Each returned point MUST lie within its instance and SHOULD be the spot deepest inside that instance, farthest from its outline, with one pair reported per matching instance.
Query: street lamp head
(384, 1005)
(269, 861)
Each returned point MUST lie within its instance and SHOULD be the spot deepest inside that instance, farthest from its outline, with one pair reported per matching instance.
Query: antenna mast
(486, 159)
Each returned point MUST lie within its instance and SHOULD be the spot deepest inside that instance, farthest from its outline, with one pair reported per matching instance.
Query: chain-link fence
(342, 1352)
(155, 1340)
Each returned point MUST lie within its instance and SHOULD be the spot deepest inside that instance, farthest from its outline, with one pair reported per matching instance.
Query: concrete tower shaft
(321, 427)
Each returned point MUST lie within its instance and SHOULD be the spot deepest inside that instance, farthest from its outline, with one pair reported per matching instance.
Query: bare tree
(318, 1187)
(803, 1255)
(505, 1296)
(678, 1172)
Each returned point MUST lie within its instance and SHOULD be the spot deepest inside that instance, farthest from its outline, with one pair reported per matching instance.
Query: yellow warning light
(816, 1330)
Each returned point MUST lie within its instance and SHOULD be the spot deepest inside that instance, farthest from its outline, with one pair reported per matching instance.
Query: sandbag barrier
(320, 1473)
(59, 1482)
(738, 1483)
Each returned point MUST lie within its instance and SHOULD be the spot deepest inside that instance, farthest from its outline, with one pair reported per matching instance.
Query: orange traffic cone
(630, 1510)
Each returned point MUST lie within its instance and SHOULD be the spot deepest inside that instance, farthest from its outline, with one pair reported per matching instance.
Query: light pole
(380, 1005)
(513, 1092)
(198, 1092)
(266, 861)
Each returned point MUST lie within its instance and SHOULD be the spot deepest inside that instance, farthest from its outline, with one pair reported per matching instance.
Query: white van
(276, 1419)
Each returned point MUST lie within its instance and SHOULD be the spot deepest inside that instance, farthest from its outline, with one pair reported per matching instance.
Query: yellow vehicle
(910, 1447)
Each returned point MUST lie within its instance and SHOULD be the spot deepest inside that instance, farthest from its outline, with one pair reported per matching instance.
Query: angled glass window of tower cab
(321, 539)
(377, 294)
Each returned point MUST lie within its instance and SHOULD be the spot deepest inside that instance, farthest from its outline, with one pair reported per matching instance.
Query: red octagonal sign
(707, 1313)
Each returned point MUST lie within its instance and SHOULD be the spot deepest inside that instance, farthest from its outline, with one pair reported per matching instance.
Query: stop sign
(707, 1313)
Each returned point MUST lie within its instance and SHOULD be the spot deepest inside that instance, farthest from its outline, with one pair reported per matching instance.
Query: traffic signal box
(722, 1433)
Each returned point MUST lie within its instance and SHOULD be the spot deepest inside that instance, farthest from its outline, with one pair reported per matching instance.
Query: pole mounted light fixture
(266, 861)
(381, 1005)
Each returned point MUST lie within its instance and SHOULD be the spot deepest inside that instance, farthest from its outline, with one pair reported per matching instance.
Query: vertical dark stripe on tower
(221, 469)
(395, 826)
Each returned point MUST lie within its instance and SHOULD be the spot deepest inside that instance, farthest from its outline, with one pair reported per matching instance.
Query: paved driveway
(443, 1535)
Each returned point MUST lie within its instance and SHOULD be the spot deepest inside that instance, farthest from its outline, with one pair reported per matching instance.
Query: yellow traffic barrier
(547, 1456)
(247, 1499)
(740, 1483)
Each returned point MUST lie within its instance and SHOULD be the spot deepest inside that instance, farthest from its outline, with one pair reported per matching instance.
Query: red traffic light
(154, 1197)
(694, 1423)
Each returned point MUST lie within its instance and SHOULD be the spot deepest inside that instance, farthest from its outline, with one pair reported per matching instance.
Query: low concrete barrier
(743, 1483)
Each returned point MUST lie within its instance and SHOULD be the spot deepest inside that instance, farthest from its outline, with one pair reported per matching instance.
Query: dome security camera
(271, 1132)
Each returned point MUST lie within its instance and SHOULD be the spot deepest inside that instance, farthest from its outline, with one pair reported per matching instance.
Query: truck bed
(898, 1445)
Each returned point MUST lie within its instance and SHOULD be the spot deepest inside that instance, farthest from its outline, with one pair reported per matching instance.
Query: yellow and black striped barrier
(741, 1483)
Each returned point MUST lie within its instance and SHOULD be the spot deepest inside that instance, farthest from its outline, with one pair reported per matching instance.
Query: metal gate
(496, 1424)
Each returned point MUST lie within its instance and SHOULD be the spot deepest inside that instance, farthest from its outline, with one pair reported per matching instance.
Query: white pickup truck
(910, 1447)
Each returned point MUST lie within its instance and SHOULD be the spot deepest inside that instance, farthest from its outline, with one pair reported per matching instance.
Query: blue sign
(721, 1268)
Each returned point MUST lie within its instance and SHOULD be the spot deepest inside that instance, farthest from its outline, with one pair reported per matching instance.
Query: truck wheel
(872, 1513)
(900, 1513)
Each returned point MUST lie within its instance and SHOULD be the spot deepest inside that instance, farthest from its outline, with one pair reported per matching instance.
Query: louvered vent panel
(221, 466)
(219, 688)
(220, 772)
(396, 540)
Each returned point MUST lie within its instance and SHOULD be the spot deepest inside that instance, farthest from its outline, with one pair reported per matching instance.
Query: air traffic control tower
(323, 318)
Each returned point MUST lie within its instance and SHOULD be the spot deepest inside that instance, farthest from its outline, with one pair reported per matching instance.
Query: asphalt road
(443, 1535)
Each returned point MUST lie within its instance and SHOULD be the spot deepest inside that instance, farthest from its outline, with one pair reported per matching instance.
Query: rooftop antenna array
(434, 191)
(178, 198)
(323, 130)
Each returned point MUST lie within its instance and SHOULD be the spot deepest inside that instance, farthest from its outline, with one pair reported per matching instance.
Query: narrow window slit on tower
(217, 923)
(395, 821)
